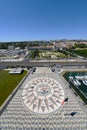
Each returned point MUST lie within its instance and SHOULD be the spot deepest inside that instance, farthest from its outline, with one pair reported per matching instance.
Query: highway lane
(27, 63)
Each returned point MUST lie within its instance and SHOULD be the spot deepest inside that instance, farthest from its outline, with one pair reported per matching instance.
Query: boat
(85, 76)
(70, 77)
(84, 82)
(78, 82)
(74, 81)
(79, 76)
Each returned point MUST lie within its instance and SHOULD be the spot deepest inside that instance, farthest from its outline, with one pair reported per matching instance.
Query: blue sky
(43, 19)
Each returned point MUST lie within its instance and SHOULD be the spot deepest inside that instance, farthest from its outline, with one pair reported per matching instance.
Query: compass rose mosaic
(43, 95)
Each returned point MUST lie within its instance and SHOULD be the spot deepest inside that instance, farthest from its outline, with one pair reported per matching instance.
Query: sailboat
(85, 80)
(79, 76)
(74, 80)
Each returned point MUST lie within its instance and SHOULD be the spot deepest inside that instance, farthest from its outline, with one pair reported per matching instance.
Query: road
(60, 63)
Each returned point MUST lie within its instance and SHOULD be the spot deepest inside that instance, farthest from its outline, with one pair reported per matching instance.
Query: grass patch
(8, 83)
(51, 54)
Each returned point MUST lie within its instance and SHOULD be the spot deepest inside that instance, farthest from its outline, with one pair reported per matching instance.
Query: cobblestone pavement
(17, 117)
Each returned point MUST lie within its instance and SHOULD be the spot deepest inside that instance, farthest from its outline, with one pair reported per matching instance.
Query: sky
(26, 20)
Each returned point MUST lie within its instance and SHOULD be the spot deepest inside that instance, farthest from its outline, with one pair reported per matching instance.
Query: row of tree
(22, 45)
(34, 53)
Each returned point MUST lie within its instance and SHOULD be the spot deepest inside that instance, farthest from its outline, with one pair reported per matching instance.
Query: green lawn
(8, 82)
(49, 54)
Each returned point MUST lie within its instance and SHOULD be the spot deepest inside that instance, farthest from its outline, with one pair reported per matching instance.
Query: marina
(78, 81)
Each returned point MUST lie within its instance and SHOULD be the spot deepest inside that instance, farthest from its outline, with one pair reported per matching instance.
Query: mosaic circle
(43, 95)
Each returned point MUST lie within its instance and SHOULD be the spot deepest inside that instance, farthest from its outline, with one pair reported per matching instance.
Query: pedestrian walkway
(69, 116)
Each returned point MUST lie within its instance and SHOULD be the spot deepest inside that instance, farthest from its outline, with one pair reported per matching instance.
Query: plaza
(43, 95)
(37, 106)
